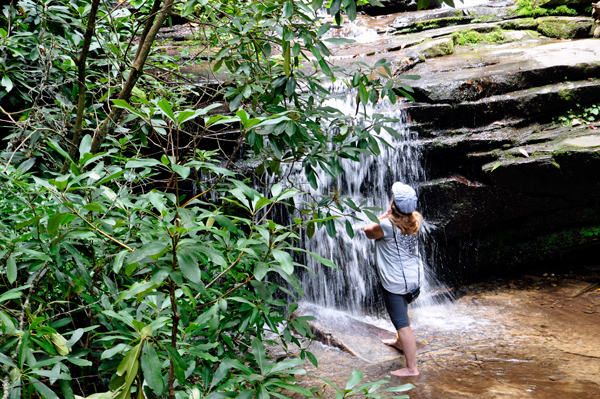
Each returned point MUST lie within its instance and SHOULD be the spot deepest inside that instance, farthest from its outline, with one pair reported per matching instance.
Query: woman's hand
(386, 214)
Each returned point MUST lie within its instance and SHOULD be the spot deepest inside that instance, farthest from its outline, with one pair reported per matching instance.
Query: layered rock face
(506, 113)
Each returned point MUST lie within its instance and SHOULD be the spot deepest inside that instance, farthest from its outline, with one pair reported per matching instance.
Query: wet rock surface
(533, 337)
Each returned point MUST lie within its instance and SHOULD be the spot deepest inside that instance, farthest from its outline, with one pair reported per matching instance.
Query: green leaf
(258, 350)
(290, 87)
(310, 230)
(189, 265)
(220, 373)
(285, 260)
(351, 10)
(55, 221)
(371, 216)
(142, 163)
(318, 257)
(335, 7)
(262, 393)
(349, 229)
(85, 145)
(339, 40)
(411, 77)
(179, 363)
(261, 290)
(166, 108)
(6, 360)
(286, 364)
(151, 367)
(118, 262)
(77, 334)
(67, 391)
(183, 171)
(312, 358)
(354, 379)
(288, 9)
(79, 362)
(46, 392)
(236, 102)
(24, 348)
(260, 270)
(7, 83)
(53, 144)
(11, 269)
(147, 250)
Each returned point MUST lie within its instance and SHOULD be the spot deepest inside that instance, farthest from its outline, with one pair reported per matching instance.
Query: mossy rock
(441, 22)
(561, 28)
(520, 24)
(439, 48)
(472, 37)
(554, 3)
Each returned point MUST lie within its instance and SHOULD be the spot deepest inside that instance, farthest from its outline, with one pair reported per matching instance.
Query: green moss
(531, 8)
(559, 28)
(565, 94)
(439, 23)
(443, 47)
(521, 24)
(486, 18)
(471, 37)
(458, 13)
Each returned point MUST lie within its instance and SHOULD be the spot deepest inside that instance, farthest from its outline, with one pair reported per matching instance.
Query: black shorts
(397, 308)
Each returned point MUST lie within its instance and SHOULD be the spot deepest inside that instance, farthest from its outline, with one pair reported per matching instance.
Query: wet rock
(490, 73)
(351, 335)
(564, 27)
(522, 23)
(393, 6)
(438, 48)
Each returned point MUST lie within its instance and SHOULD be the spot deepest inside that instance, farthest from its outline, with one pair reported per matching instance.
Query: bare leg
(409, 347)
(395, 343)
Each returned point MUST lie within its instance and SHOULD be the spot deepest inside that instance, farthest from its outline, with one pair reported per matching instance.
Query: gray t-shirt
(400, 265)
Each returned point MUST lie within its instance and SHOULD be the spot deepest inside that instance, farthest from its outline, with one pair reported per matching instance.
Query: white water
(354, 288)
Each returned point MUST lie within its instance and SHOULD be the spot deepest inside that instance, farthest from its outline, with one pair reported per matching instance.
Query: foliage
(140, 252)
(370, 390)
(580, 113)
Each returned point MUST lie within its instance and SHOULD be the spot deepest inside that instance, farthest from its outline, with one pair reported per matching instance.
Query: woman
(399, 267)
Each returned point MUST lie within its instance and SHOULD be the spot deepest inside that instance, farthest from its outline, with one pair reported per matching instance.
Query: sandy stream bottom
(527, 338)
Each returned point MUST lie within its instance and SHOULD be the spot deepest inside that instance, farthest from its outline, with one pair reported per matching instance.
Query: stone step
(351, 335)
(531, 103)
(479, 74)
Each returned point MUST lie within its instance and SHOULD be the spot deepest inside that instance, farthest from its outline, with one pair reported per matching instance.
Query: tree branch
(81, 74)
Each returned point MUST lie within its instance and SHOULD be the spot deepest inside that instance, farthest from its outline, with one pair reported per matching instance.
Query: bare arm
(373, 230)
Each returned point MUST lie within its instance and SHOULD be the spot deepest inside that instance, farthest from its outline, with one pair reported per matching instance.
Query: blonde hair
(408, 223)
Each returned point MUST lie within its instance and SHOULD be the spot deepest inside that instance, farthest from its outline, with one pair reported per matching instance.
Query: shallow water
(528, 338)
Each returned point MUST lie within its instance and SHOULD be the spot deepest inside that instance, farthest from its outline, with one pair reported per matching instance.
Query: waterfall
(354, 287)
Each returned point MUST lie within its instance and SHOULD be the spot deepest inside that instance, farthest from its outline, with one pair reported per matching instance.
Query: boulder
(564, 27)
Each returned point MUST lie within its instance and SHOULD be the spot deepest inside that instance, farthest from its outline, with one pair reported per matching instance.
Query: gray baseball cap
(405, 197)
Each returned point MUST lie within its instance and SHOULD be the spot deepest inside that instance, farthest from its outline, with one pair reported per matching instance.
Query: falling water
(354, 287)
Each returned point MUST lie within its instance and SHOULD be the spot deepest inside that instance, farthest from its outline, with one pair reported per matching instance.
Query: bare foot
(405, 372)
(394, 343)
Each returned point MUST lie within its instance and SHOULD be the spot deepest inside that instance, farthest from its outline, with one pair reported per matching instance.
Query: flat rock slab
(585, 141)
(468, 76)
(356, 337)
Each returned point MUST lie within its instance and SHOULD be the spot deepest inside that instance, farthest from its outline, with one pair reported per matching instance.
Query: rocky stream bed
(533, 337)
